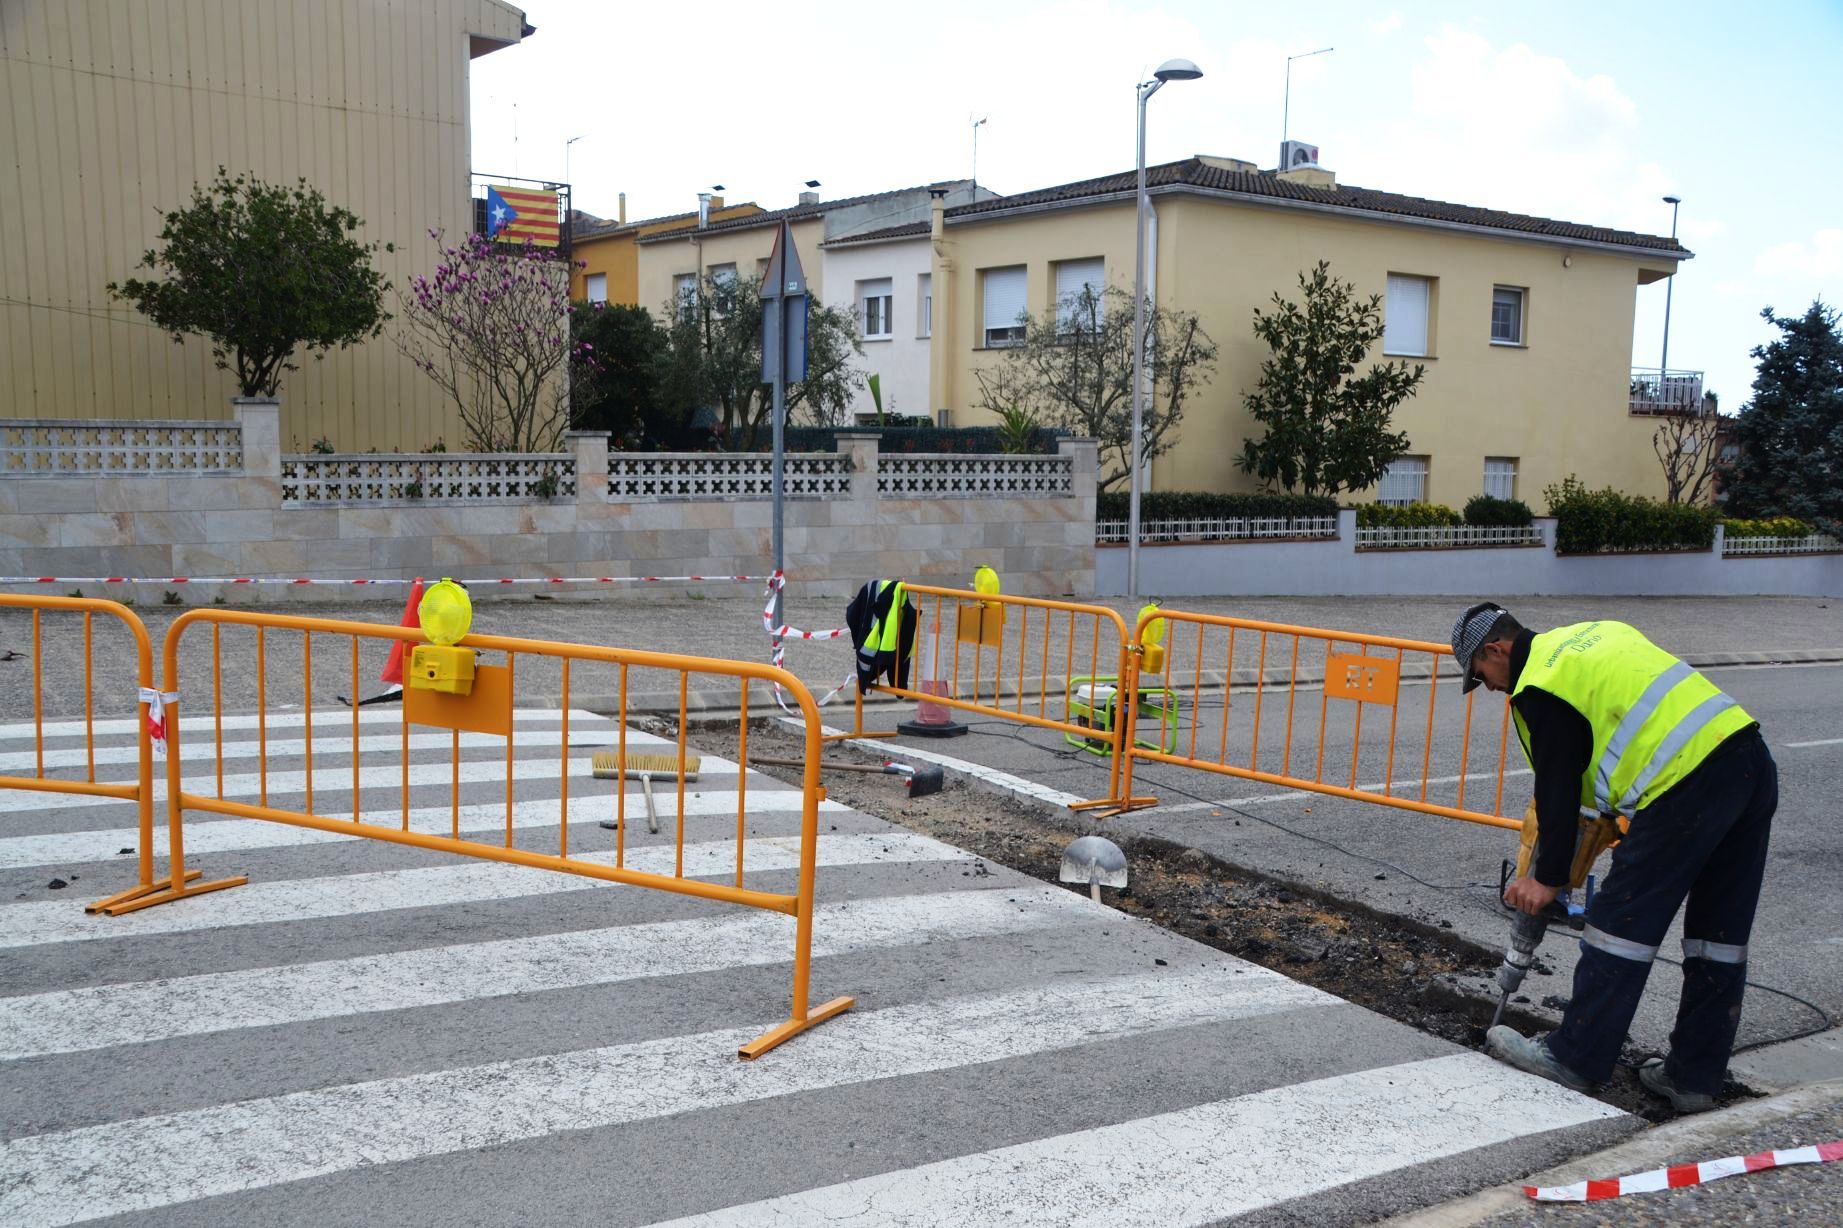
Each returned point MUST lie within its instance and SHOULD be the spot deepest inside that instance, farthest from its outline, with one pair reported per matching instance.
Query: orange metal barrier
(140, 791)
(489, 710)
(1355, 672)
(993, 654)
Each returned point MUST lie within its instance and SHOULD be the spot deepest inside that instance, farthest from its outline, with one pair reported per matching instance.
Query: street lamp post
(1670, 284)
(1170, 70)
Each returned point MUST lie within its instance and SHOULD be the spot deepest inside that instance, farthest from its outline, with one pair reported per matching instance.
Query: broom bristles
(606, 765)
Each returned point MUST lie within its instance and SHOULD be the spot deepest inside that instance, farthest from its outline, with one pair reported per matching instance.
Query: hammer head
(924, 780)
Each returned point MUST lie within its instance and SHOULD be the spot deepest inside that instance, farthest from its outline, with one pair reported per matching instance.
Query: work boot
(1658, 1082)
(1531, 1053)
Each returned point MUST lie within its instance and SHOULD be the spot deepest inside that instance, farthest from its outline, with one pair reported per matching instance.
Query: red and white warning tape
(777, 649)
(286, 580)
(1679, 1175)
(156, 702)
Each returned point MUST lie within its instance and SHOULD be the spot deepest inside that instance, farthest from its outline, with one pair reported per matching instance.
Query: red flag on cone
(393, 668)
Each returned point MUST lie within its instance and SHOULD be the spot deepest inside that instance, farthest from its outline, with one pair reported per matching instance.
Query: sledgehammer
(921, 780)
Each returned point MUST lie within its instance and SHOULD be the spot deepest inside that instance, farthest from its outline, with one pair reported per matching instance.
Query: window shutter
(1072, 276)
(1404, 324)
(1004, 297)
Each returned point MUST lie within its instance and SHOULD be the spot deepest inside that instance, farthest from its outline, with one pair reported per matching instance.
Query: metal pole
(1146, 90)
(780, 442)
(1670, 284)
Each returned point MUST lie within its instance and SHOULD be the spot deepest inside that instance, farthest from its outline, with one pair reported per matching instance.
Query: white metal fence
(1446, 537)
(646, 476)
(1815, 543)
(486, 477)
(1230, 529)
(43, 446)
(947, 476)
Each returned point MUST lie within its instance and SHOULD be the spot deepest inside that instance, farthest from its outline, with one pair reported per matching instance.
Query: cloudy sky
(1588, 111)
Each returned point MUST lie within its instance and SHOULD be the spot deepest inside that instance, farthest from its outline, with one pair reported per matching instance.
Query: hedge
(1498, 513)
(961, 439)
(1211, 505)
(1406, 516)
(1775, 526)
(1603, 521)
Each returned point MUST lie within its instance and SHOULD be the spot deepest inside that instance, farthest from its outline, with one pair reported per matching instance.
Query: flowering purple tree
(491, 327)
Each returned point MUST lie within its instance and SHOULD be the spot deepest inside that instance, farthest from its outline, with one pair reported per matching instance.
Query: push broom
(608, 765)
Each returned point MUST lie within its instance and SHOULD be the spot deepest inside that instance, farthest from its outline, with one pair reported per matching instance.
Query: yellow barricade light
(981, 622)
(446, 613)
(1152, 642)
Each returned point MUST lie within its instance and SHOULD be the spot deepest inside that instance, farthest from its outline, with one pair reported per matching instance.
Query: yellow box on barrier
(1366, 679)
(487, 708)
(977, 622)
(440, 667)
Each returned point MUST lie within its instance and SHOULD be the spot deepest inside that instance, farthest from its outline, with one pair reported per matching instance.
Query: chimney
(703, 209)
(623, 208)
(809, 198)
(937, 213)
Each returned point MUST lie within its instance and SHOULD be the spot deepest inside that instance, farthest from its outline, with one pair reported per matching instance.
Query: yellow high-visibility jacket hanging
(882, 619)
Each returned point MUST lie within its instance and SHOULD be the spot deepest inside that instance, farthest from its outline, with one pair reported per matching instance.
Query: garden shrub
(1603, 521)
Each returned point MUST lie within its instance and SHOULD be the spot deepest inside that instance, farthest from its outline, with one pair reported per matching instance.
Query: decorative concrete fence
(221, 499)
(1449, 562)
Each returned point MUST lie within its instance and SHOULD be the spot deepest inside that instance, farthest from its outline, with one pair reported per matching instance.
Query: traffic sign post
(784, 317)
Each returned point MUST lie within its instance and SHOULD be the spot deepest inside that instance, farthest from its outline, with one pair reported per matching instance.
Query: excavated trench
(1406, 970)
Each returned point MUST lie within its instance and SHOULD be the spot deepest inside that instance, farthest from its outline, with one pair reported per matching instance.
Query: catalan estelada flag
(514, 215)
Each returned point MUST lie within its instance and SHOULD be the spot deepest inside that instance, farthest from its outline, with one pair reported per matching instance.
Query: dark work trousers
(1705, 839)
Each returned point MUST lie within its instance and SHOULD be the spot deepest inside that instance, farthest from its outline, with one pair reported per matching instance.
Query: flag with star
(514, 215)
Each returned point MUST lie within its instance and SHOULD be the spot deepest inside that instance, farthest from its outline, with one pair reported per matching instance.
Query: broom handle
(827, 764)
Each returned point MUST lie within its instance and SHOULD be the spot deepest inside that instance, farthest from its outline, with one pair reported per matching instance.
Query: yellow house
(610, 261)
(118, 110)
(1523, 323)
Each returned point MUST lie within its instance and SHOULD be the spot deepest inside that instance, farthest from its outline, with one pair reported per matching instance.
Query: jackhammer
(1592, 837)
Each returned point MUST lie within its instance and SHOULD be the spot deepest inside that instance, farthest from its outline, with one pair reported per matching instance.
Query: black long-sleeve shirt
(1561, 745)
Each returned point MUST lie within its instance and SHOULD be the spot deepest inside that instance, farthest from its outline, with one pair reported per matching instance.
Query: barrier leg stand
(145, 828)
(1124, 731)
(179, 882)
(857, 723)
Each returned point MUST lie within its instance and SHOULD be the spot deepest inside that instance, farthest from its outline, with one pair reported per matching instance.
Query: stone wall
(847, 519)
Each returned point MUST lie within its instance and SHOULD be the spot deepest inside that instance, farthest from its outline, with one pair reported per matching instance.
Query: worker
(1614, 725)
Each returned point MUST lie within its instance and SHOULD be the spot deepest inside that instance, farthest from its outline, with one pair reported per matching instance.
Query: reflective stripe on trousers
(1714, 952)
(1624, 948)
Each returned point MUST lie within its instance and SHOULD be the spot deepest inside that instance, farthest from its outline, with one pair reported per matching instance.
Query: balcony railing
(1655, 391)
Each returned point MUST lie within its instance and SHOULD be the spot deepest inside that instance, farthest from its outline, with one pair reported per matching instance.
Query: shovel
(921, 780)
(1096, 861)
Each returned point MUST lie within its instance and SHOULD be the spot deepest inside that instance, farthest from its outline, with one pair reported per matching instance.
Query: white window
(1004, 305)
(596, 287)
(924, 306)
(1501, 477)
(685, 290)
(1506, 315)
(1073, 277)
(1404, 482)
(874, 302)
(721, 274)
(1404, 320)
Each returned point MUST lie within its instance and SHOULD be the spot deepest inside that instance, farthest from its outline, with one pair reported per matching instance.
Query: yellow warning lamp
(985, 583)
(1151, 641)
(446, 613)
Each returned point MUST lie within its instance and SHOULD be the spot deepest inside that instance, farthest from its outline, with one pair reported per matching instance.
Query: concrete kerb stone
(1707, 1136)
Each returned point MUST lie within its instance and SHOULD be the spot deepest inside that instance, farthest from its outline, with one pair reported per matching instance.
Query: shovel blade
(1093, 859)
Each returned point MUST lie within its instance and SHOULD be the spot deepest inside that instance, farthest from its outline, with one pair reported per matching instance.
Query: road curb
(1705, 1136)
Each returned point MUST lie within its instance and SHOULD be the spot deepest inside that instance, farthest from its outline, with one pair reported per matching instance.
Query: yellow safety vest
(885, 632)
(1654, 718)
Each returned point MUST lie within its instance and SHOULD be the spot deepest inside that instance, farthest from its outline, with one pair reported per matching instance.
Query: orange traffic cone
(393, 668)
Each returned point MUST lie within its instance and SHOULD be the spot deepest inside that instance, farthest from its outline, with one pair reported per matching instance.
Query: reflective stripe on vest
(1654, 718)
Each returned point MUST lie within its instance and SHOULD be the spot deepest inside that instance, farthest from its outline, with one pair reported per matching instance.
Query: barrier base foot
(920, 729)
(1111, 806)
(134, 893)
(846, 737)
(793, 1027)
(169, 893)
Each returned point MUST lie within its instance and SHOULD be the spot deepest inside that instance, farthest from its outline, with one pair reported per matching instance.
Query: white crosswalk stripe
(143, 1022)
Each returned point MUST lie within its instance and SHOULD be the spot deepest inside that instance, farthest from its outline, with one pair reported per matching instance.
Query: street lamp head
(1673, 200)
(1178, 70)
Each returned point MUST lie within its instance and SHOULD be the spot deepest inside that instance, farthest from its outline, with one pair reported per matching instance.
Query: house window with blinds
(596, 287)
(874, 301)
(685, 291)
(1405, 481)
(1078, 294)
(1501, 477)
(924, 305)
(1405, 329)
(1004, 304)
(1507, 315)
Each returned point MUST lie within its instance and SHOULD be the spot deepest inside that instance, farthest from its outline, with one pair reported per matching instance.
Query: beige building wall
(745, 247)
(117, 109)
(1558, 404)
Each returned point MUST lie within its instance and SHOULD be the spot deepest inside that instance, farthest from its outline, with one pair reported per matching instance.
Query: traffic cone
(393, 668)
(932, 720)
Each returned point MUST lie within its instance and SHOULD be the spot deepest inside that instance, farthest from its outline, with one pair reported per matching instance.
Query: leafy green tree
(713, 363)
(1327, 427)
(621, 394)
(263, 271)
(1791, 433)
(1074, 369)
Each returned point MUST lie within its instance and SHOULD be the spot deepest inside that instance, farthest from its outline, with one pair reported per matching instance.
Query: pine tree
(1791, 433)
